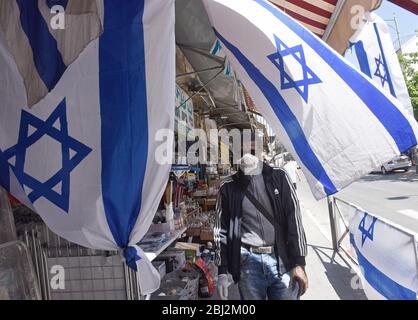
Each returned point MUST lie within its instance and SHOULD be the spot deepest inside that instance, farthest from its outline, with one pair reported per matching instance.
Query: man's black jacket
(290, 247)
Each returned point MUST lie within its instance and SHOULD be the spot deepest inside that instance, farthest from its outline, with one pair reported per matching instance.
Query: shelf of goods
(176, 235)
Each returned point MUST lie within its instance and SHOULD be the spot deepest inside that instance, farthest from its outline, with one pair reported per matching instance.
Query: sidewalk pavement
(330, 275)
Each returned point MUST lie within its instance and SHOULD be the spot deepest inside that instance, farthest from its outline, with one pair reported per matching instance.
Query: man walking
(291, 168)
(259, 234)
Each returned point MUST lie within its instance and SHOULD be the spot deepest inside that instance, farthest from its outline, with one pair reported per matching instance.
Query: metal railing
(18, 279)
(340, 227)
(89, 274)
(104, 270)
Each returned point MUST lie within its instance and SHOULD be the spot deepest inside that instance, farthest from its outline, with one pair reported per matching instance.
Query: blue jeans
(260, 279)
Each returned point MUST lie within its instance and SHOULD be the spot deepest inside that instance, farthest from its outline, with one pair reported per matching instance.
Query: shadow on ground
(340, 276)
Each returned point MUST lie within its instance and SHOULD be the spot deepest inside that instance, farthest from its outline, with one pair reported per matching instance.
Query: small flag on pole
(378, 60)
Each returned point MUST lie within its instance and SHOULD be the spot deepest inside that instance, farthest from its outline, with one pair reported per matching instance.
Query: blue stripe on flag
(52, 3)
(286, 117)
(385, 64)
(384, 110)
(362, 58)
(123, 103)
(47, 58)
(4, 172)
(387, 287)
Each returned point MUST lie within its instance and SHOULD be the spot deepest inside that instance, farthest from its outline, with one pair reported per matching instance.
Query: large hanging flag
(83, 157)
(378, 59)
(335, 121)
(386, 256)
(33, 29)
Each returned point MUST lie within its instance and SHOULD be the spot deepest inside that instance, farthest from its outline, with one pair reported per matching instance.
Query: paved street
(393, 196)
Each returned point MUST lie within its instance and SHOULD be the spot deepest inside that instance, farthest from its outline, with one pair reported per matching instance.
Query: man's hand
(298, 275)
(223, 285)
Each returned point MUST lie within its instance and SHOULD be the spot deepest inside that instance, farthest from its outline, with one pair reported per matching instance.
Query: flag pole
(333, 223)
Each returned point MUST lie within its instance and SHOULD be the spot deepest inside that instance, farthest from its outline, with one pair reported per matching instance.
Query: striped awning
(314, 14)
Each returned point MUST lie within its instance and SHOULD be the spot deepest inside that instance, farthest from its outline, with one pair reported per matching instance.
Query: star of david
(381, 74)
(369, 232)
(286, 80)
(69, 163)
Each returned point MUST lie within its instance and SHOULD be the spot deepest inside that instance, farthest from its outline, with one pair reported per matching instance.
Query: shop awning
(195, 38)
(314, 14)
(328, 19)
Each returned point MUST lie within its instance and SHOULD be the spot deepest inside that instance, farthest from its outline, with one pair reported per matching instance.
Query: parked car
(399, 163)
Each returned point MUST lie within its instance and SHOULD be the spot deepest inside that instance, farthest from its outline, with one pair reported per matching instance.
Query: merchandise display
(175, 259)
(206, 284)
(171, 290)
(186, 267)
(201, 225)
(153, 241)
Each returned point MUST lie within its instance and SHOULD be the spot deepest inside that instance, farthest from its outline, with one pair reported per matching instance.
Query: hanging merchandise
(206, 284)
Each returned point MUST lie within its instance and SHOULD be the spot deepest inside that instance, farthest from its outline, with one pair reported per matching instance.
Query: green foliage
(409, 64)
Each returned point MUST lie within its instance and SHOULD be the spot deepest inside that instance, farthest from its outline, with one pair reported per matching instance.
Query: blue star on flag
(287, 82)
(369, 232)
(25, 140)
(381, 74)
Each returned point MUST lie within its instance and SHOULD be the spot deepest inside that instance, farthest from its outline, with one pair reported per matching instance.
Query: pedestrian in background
(291, 167)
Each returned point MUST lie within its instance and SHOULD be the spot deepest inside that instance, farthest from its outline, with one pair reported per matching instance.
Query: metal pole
(198, 71)
(127, 285)
(416, 250)
(415, 158)
(333, 223)
(338, 9)
(203, 87)
(398, 33)
(7, 223)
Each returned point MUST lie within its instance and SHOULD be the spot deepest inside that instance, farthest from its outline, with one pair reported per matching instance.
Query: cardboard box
(206, 235)
(188, 246)
(193, 232)
(215, 183)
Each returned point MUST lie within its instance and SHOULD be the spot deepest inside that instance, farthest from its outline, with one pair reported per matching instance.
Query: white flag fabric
(32, 28)
(83, 157)
(336, 122)
(386, 256)
(378, 60)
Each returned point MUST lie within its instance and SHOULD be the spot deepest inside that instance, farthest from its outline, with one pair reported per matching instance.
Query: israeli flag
(378, 60)
(32, 29)
(386, 255)
(83, 157)
(335, 121)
